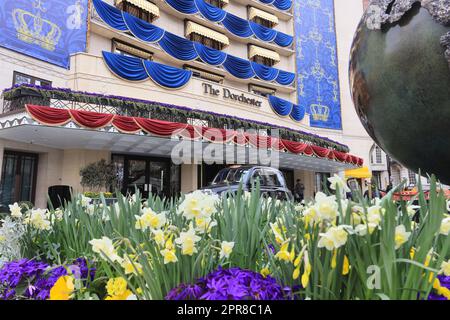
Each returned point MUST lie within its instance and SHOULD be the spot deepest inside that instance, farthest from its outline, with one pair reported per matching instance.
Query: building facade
(114, 76)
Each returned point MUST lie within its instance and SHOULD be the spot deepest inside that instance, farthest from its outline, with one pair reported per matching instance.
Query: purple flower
(445, 282)
(230, 284)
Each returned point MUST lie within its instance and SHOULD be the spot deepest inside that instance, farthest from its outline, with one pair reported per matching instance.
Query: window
(206, 41)
(129, 7)
(262, 17)
(126, 49)
(217, 3)
(202, 74)
(20, 78)
(376, 155)
(412, 178)
(261, 91)
(263, 60)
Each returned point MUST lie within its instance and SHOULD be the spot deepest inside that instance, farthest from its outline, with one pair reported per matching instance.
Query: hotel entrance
(152, 176)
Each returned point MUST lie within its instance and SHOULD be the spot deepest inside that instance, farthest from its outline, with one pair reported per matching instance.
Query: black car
(272, 182)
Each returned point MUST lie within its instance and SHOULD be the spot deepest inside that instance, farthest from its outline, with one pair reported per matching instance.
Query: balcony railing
(15, 99)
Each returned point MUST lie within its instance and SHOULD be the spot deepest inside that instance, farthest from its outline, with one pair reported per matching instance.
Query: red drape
(94, 120)
(47, 115)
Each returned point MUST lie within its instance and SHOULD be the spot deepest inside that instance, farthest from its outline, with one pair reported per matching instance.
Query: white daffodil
(401, 236)
(311, 215)
(150, 220)
(445, 268)
(226, 249)
(159, 237)
(445, 226)
(337, 181)
(85, 201)
(90, 209)
(374, 214)
(105, 248)
(131, 267)
(16, 210)
(326, 206)
(334, 238)
(198, 204)
(187, 240)
(39, 219)
(411, 210)
(204, 224)
(361, 229)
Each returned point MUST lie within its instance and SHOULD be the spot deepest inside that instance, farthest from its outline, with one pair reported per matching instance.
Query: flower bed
(240, 247)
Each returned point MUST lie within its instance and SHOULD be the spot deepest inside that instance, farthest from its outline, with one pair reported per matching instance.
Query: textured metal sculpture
(400, 81)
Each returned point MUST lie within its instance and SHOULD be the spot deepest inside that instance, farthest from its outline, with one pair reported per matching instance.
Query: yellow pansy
(62, 289)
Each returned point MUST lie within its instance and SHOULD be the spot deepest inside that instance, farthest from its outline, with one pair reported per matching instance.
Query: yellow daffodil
(333, 259)
(62, 289)
(296, 273)
(169, 256)
(401, 236)
(265, 272)
(117, 289)
(346, 266)
(334, 238)
(284, 254)
(307, 270)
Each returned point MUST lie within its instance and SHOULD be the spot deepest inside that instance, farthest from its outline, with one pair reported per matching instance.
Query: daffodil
(361, 229)
(38, 218)
(307, 270)
(401, 236)
(16, 211)
(130, 266)
(334, 238)
(105, 248)
(169, 256)
(187, 240)
(277, 232)
(333, 259)
(204, 224)
(265, 272)
(117, 289)
(226, 249)
(374, 214)
(311, 215)
(337, 181)
(85, 201)
(346, 266)
(150, 220)
(62, 289)
(445, 226)
(445, 268)
(159, 237)
(284, 254)
(326, 206)
(198, 204)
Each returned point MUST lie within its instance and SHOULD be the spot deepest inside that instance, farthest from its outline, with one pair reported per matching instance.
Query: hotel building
(86, 80)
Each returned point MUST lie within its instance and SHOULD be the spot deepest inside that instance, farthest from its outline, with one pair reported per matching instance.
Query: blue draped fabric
(178, 47)
(282, 4)
(264, 72)
(280, 106)
(128, 68)
(298, 112)
(142, 29)
(183, 6)
(210, 56)
(267, 1)
(209, 11)
(111, 15)
(263, 33)
(283, 39)
(238, 67)
(285, 78)
(237, 26)
(167, 76)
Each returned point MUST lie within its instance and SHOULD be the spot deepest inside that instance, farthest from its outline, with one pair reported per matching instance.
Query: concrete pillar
(307, 178)
(189, 177)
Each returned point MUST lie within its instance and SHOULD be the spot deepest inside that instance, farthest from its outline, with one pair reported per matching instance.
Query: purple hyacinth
(230, 284)
(445, 282)
(38, 276)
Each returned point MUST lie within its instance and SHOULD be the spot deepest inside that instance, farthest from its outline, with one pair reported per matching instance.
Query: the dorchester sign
(228, 94)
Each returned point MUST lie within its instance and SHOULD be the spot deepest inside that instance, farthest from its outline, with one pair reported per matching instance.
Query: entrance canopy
(74, 129)
(360, 173)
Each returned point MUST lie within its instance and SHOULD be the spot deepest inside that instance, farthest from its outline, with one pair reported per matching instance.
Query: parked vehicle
(272, 181)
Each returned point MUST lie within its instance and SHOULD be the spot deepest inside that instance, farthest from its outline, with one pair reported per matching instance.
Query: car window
(272, 178)
(258, 174)
(229, 175)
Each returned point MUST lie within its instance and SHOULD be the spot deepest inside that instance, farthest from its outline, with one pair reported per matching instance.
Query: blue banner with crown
(317, 64)
(49, 30)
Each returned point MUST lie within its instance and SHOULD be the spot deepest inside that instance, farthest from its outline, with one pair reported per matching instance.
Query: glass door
(18, 181)
(136, 177)
(159, 178)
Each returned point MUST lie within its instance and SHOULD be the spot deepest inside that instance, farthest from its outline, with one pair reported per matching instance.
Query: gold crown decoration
(33, 32)
(320, 112)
